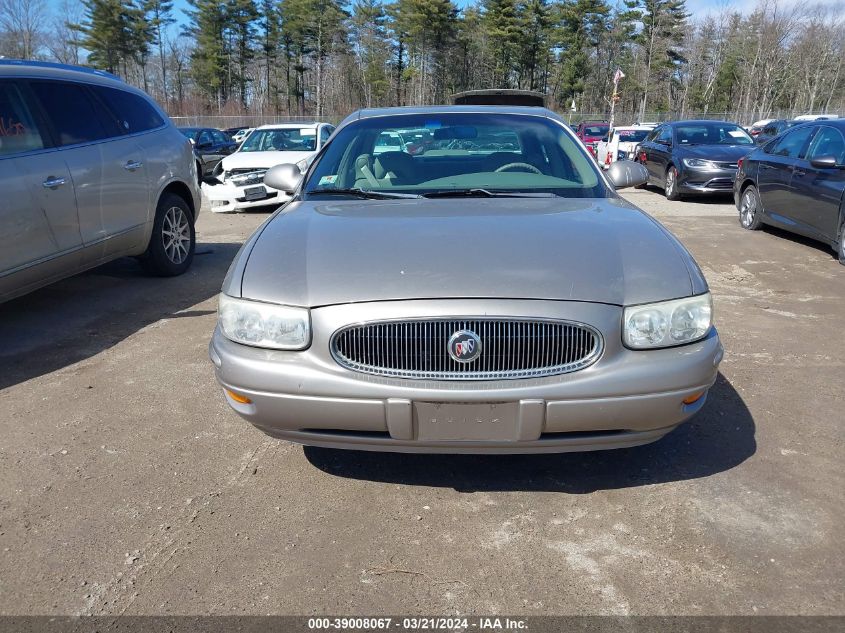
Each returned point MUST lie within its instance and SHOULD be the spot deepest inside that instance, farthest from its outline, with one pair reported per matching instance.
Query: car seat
(396, 168)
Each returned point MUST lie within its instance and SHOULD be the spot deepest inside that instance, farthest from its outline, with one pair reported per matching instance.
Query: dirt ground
(128, 486)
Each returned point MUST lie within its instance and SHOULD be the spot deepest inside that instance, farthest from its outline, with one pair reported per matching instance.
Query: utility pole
(615, 97)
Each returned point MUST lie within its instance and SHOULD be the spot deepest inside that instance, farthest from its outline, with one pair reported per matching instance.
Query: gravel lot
(128, 486)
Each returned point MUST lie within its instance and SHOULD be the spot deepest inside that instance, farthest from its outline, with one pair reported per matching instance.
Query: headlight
(667, 323)
(264, 324)
(697, 163)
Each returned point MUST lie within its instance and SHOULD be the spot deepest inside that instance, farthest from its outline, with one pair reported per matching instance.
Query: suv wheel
(671, 187)
(750, 209)
(173, 241)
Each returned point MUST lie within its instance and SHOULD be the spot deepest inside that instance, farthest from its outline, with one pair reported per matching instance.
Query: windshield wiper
(485, 193)
(367, 194)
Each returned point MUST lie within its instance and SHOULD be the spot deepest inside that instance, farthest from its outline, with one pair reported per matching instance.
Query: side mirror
(824, 162)
(285, 177)
(665, 142)
(626, 173)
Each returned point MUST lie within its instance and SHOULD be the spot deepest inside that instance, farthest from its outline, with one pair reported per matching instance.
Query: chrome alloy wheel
(176, 235)
(670, 182)
(748, 208)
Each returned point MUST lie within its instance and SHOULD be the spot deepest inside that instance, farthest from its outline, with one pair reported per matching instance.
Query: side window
(665, 134)
(325, 133)
(219, 137)
(791, 143)
(18, 132)
(828, 142)
(205, 138)
(73, 114)
(132, 111)
(652, 135)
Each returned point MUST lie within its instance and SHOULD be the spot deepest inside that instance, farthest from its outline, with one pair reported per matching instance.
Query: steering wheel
(511, 166)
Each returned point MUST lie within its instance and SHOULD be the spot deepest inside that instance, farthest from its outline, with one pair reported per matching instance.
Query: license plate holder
(438, 421)
(255, 193)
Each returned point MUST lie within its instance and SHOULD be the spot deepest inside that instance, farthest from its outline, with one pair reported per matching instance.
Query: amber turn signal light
(243, 399)
(693, 398)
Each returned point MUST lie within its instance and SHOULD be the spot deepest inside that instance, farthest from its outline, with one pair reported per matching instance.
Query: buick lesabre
(491, 293)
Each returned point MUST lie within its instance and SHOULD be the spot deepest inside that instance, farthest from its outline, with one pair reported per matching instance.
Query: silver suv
(91, 169)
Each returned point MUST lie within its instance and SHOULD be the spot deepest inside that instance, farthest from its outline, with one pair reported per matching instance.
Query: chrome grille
(510, 348)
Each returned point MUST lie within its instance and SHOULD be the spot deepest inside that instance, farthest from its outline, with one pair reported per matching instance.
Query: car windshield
(632, 136)
(281, 140)
(715, 133)
(456, 153)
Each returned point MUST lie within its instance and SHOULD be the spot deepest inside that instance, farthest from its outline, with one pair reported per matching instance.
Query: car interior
(465, 156)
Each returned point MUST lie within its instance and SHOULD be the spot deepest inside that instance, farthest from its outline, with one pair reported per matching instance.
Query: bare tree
(63, 42)
(22, 24)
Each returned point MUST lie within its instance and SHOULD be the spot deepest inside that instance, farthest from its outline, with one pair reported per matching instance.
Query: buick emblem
(464, 346)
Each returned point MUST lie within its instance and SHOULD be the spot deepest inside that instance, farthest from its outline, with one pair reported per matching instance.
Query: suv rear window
(74, 116)
(132, 111)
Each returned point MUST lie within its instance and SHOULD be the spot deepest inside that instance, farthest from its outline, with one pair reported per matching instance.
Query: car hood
(717, 152)
(261, 160)
(598, 250)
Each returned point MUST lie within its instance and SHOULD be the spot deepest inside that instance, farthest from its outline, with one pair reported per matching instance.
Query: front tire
(750, 209)
(842, 243)
(173, 241)
(671, 186)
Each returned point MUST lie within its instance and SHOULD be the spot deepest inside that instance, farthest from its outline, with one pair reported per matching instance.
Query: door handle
(132, 165)
(52, 182)
(798, 172)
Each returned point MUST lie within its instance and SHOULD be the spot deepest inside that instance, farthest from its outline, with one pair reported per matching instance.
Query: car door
(207, 150)
(816, 192)
(39, 226)
(227, 145)
(105, 161)
(657, 153)
(774, 171)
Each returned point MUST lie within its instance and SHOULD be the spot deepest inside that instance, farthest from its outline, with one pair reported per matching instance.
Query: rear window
(18, 132)
(133, 112)
(73, 115)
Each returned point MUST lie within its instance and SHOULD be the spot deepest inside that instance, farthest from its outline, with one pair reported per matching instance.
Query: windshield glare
(426, 153)
(281, 140)
(712, 134)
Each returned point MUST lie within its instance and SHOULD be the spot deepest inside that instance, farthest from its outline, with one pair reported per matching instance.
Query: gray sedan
(464, 298)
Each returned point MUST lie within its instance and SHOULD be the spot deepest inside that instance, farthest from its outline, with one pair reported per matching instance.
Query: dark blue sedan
(796, 182)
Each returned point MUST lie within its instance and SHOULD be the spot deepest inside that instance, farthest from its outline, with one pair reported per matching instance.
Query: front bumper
(625, 399)
(711, 181)
(229, 198)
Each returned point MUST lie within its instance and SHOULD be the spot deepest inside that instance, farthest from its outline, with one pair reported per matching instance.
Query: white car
(620, 144)
(238, 181)
(240, 135)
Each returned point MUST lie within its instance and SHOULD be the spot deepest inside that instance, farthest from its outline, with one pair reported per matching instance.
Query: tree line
(326, 58)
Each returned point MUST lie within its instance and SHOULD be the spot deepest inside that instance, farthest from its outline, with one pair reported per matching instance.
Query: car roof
(50, 70)
(693, 121)
(288, 126)
(371, 113)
